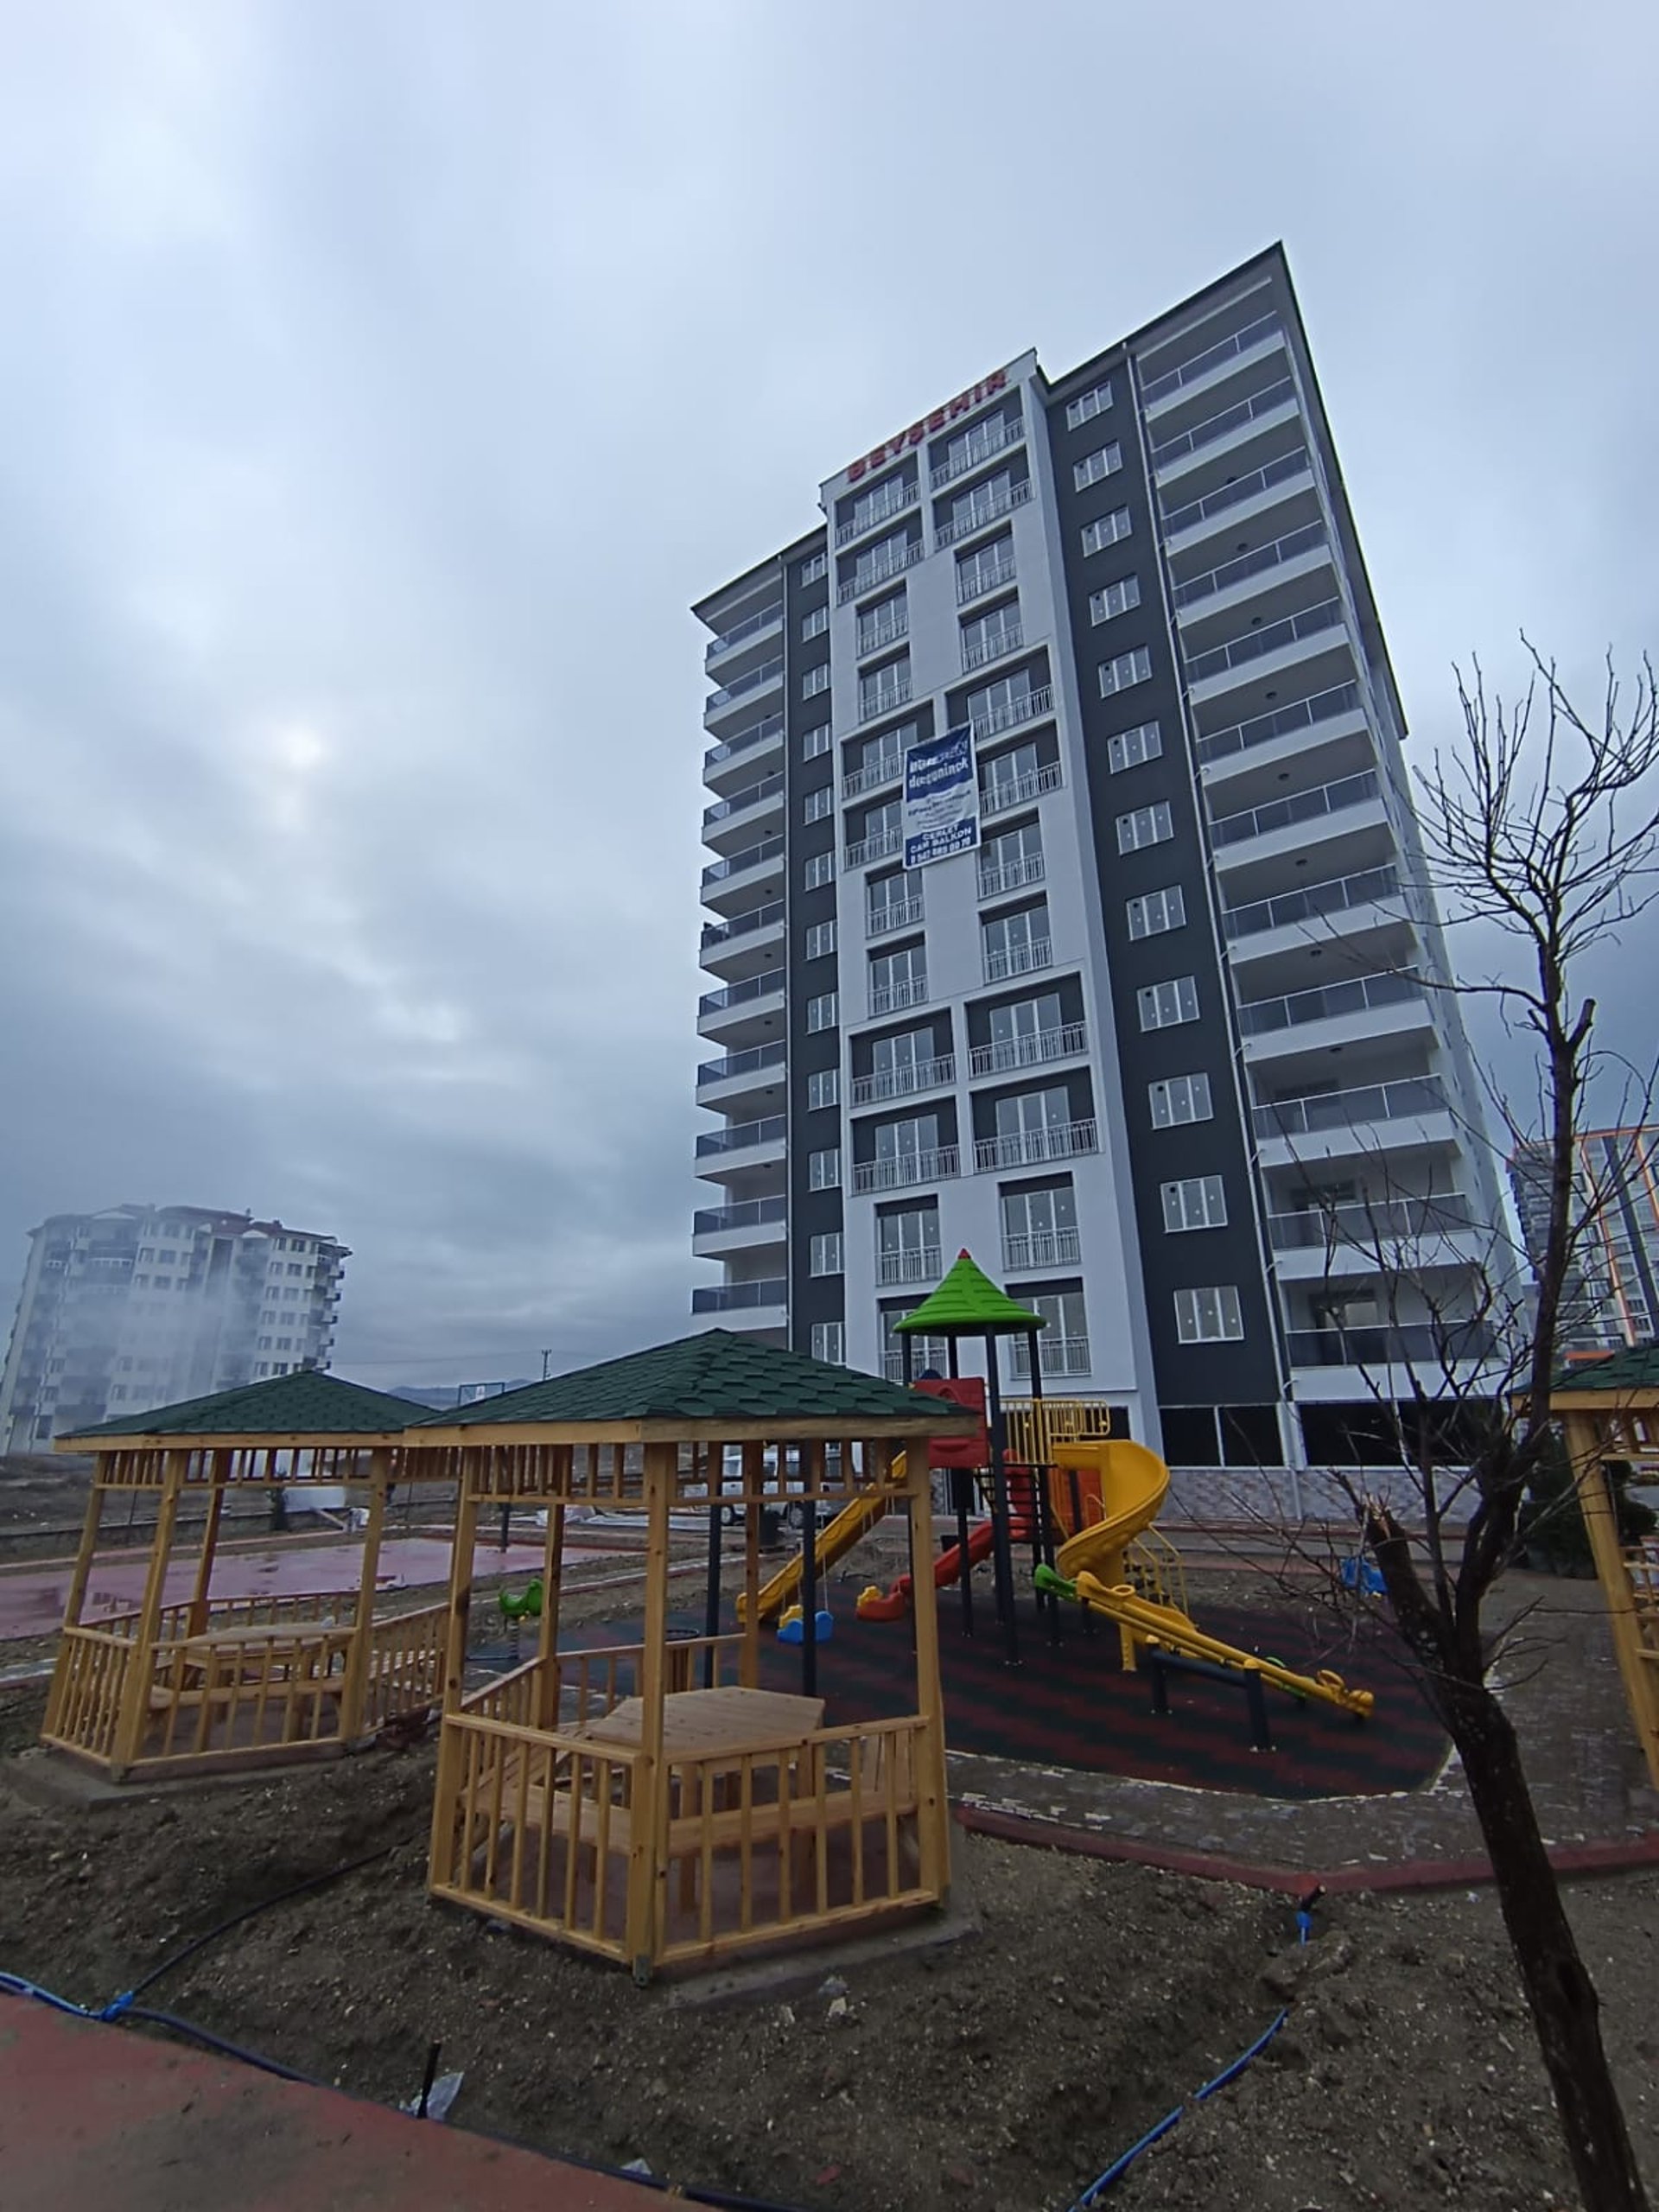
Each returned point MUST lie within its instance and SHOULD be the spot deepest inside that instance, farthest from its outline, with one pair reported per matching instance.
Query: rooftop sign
(897, 448)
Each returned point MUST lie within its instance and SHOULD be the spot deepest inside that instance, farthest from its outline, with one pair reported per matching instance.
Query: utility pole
(547, 1354)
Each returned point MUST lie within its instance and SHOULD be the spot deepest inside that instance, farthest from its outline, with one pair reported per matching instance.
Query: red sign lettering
(896, 448)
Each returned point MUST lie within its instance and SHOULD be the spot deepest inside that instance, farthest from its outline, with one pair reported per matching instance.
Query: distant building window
(1157, 912)
(1145, 825)
(1196, 1202)
(1132, 748)
(1164, 1006)
(820, 869)
(816, 680)
(1094, 467)
(819, 803)
(820, 1012)
(815, 566)
(1131, 667)
(820, 940)
(828, 1342)
(823, 1169)
(1087, 405)
(1181, 1098)
(1107, 529)
(1209, 1317)
(1116, 598)
(825, 1258)
(814, 624)
(815, 741)
(824, 1089)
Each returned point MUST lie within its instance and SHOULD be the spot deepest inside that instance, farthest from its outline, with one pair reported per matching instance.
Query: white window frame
(816, 680)
(819, 870)
(830, 1343)
(1094, 467)
(1142, 826)
(1168, 1004)
(1180, 1100)
(1125, 671)
(1087, 405)
(1114, 599)
(1107, 529)
(1132, 748)
(1157, 912)
(815, 623)
(815, 741)
(824, 1088)
(821, 1012)
(814, 566)
(818, 805)
(823, 1253)
(820, 940)
(823, 1169)
(1209, 1315)
(1193, 1202)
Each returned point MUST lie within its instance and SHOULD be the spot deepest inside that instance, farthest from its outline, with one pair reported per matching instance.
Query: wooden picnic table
(724, 1724)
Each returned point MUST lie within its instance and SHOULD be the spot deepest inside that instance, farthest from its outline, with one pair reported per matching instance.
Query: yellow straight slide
(855, 1520)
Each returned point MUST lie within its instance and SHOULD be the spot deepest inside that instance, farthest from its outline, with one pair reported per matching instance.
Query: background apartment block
(1614, 1293)
(1155, 1051)
(141, 1305)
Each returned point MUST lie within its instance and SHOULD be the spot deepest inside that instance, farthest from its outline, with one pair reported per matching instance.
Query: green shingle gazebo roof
(968, 1302)
(1635, 1368)
(306, 1402)
(716, 1376)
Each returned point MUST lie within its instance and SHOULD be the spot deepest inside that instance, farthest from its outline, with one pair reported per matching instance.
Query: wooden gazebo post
(648, 1859)
(355, 1696)
(134, 1702)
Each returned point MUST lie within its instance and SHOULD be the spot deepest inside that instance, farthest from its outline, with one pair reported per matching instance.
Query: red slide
(894, 1604)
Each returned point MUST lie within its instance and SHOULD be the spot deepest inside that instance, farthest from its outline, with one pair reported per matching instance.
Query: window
(1165, 1005)
(883, 689)
(264, 1344)
(1116, 598)
(884, 756)
(1093, 466)
(1009, 777)
(1063, 1347)
(983, 504)
(1025, 1033)
(823, 1169)
(820, 940)
(986, 566)
(140, 1282)
(818, 805)
(927, 1354)
(1181, 1098)
(1145, 825)
(1087, 405)
(997, 706)
(824, 1089)
(883, 559)
(1013, 859)
(1039, 1226)
(1023, 1123)
(907, 1151)
(1199, 1202)
(828, 1342)
(898, 979)
(1157, 912)
(1209, 1317)
(814, 624)
(907, 1245)
(815, 741)
(883, 499)
(989, 635)
(901, 1063)
(892, 902)
(1013, 945)
(825, 1254)
(1106, 530)
(820, 869)
(820, 1012)
(1132, 748)
(816, 680)
(881, 625)
(883, 825)
(815, 566)
(1132, 667)
(986, 438)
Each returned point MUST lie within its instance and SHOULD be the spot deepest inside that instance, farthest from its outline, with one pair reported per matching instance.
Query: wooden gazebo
(1609, 1409)
(188, 1684)
(650, 1802)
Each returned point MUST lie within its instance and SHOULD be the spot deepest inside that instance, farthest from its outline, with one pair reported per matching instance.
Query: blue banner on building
(941, 799)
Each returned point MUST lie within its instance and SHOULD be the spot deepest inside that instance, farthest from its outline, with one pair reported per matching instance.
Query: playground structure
(650, 1802)
(176, 1686)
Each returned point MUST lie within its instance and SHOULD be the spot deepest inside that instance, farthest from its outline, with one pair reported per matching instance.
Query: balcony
(859, 524)
(1011, 875)
(1290, 547)
(1287, 467)
(752, 795)
(1365, 1229)
(738, 1296)
(1431, 1343)
(904, 1082)
(973, 583)
(892, 998)
(880, 572)
(871, 777)
(1027, 706)
(716, 761)
(1340, 895)
(716, 934)
(745, 945)
(1252, 644)
(766, 677)
(1261, 1017)
(1056, 1354)
(896, 914)
(984, 513)
(755, 1062)
(976, 652)
(1008, 960)
(879, 847)
(1030, 1148)
(742, 1136)
(873, 636)
(908, 1168)
(741, 872)
(998, 436)
(1041, 1248)
(1412, 1096)
(1035, 1049)
(1213, 357)
(873, 705)
(1018, 790)
(1302, 806)
(1284, 721)
(923, 1265)
(1217, 426)
(748, 1223)
(752, 626)
(736, 995)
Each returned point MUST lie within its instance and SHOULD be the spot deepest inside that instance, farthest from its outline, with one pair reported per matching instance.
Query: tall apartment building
(1138, 1032)
(141, 1305)
(1613, 1294)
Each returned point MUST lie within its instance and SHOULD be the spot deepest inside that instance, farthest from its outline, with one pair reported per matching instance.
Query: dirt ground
(999, 2073)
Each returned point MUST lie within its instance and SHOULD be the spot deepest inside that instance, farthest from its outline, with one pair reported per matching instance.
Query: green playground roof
(968, 1301)
(718, 1375)
(306, 1402)
(1634, 1368)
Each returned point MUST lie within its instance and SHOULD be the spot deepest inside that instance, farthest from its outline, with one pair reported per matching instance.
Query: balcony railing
(747, 1213)
(769, 848)
(742, 1136)
(1015, 790)
(1343, 1109)
(1028, 1148)
(761, 733)
(1217, 426)
(924, 1352)
(751, 795)
(1365, 1228)
(769, 673)
(880, 846)
(755, 987)
(750, 1063)
(992, 438)
(1237, 651)
(896, 914)
(858, 525)
(751, 627)
(975, 652)
(923, 1265)
(1032, 1050)
(1301, 806)
(1042, 1247)
(904, 1082)
(735, 1297)
(1294, 541)
(1262, 1016)
(1211, 358)
(1433, 1342)
(1005, 959)
(872, 636)
(982, 513)
(908, 1168)
(871, 777)
(1024, 706)
(1335, 896)
(1010, 875)
(762, 918)
(872, 705)
(973, 582)
(1261, 729)
(878, 572)
(892, 998)
(1058, 1354)
(1238, 489)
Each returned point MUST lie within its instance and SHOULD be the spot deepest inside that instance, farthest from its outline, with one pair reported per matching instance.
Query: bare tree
(1552, 834)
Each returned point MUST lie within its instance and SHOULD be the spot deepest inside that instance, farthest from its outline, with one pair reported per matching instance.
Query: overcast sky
(378, 383)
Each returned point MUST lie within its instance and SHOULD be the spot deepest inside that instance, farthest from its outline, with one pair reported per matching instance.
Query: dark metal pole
(809, 1584)
(961, 1498)
(1042, 1524)
(1002, 1553)
(711, 1601)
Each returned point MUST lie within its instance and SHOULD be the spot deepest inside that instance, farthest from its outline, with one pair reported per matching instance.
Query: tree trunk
(1559, 1991)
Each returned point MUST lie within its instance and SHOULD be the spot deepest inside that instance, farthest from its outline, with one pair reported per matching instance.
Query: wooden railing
(405, 1672)
(83, 1712)
(248, 1686)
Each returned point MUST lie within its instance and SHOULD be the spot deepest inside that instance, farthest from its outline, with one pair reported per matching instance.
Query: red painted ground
(95, 2115)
